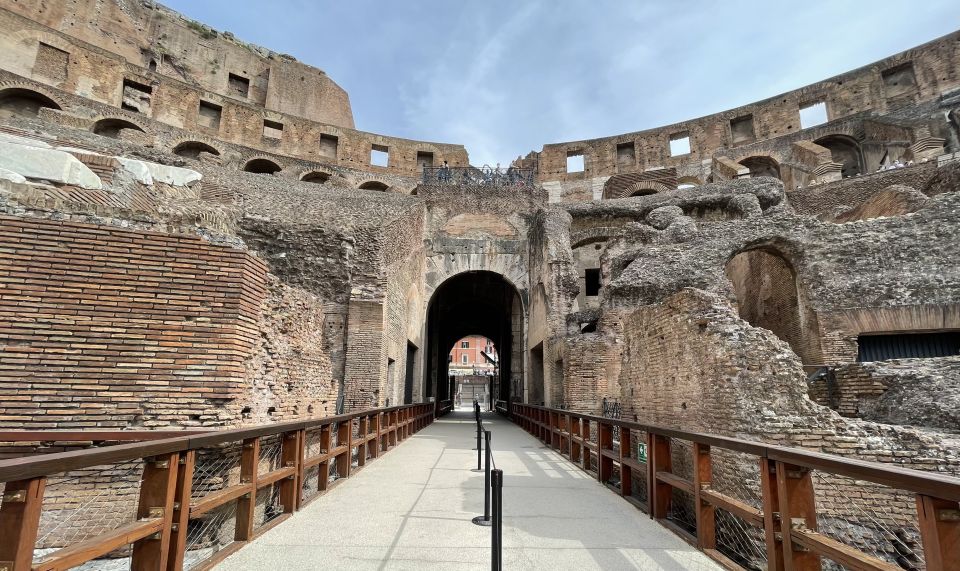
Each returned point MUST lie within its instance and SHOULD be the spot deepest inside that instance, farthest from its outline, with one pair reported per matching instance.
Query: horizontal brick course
(120, 327)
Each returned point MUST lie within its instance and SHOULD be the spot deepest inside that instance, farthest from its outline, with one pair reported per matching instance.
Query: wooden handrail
(929, 483)
(166, 505)
(788, 516)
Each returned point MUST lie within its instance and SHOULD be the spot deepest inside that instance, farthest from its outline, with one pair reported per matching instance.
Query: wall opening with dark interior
(316, 177)
(846, 151)
(626, 155)
(762, 166)
(113, 127)
(478, 303)
(770, 296)
(17, 102)
(328, 146)
(136, 97)
(410, 373)
(907, 345)
(192, 149)
(424, 160)
(374, 185)
(208, 115)
(261, 166)
(536, 394)
(237, 85)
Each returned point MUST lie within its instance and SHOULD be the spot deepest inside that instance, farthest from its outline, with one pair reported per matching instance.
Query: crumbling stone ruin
(195, 234)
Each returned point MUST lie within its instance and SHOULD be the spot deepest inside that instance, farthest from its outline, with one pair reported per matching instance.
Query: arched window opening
(846, 151)
(113, 127)
(262, 166)
(192, 149)
(18, 102)
(643, 192)
(762, 166)
(316, 177)
(374, 185)
(769, 296)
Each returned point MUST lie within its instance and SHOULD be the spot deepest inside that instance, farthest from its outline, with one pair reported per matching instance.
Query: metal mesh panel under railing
(216, 468)
(82, 504)
(681, 511)
(210, 533)
(737, 475)
(877, 520)
(271, 448)
(268, 506)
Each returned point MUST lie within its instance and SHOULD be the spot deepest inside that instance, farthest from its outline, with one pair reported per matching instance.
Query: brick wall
(107, 327)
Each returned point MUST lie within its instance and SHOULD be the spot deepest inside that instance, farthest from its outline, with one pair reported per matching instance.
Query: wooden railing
(756, 505)
(173, 485)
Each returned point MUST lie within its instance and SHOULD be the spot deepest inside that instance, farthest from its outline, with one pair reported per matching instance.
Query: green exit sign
(641, 451)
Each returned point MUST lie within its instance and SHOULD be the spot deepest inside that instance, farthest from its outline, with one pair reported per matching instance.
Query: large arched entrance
(478, 303)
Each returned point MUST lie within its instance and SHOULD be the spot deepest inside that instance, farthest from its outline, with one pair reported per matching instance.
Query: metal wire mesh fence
(82, 504)
(737, 475)
(210, 533)
(877, 520)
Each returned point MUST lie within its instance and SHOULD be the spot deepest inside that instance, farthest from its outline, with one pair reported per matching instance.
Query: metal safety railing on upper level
(184, 502)
(749, 505)
(479, 176)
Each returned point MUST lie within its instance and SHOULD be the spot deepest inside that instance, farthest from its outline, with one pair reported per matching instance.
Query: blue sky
(504, 77)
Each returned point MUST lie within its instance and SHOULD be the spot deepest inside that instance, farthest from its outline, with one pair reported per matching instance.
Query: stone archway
(474, 303)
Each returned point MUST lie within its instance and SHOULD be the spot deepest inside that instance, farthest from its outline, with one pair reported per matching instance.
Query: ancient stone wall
(900, 81)
(107, 327)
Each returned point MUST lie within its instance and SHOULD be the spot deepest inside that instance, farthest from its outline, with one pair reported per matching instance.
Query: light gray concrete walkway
(412, 509)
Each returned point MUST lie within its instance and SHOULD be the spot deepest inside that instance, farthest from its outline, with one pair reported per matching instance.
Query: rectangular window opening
(907, 346)
(592, 282)
(424, 160)
(238, 85)
(328, 146)
(379, 155)
(272, 129)
(741, 129)
(464, 344)
(209, 114)
(679, 144)
(575, 161)
(626, 154)
(136, 97)
(813, 114)
(463, 359)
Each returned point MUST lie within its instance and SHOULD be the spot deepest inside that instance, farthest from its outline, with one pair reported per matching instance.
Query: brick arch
(112, 125)
(762, 165)
(260, 162)
(645, 187)
(318, 176)
(770, 294)
(22, 90)
(591, 235)
(688, 180)
(192, 148)
(194, 139)
(374, 184)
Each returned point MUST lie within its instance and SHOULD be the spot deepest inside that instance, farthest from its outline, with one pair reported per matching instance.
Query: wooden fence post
(797, 510)
(19, 520)
(660, 461)
(940, 529)
(626, 472)
(181, 510)
(157, 487)
(575, 432)
(706, 513)
(323, 474)
(585, 453)
(772, 531)
(605, 442)
(290, 457)
(246, 505)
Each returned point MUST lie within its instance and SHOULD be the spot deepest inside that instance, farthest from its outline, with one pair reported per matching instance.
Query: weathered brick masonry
(107, 327)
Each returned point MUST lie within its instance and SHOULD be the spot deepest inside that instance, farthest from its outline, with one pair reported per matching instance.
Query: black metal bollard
(485, 518)
(496, 555)
(479, 445)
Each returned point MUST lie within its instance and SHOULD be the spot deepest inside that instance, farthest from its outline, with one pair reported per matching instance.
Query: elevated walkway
(412, 509)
